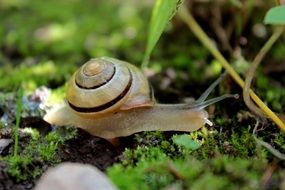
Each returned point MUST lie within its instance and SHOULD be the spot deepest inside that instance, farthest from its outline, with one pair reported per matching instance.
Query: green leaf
(275, 15)
(162, 12)
(186, 142)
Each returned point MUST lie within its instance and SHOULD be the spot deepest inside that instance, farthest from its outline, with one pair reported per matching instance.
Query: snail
(110, 98)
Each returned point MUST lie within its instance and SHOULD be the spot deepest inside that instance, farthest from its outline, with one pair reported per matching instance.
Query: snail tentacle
(206, 93)
(202, 105)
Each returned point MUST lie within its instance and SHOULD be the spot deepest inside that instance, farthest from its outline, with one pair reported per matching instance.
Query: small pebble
(74, 176)
(4, 143)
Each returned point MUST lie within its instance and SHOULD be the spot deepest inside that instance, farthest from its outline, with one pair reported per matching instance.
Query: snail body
(111, 98)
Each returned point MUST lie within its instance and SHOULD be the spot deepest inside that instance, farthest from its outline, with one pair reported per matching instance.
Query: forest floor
(40, 55)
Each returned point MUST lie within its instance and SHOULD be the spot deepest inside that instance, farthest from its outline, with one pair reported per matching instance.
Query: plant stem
(277, 2)
(257, 60)
(19, 107)
(206, 41)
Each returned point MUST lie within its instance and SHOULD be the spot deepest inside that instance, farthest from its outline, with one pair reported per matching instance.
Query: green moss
(243, 143)
(151, 138)
(202, 144)
(139, 169)
(280, 140)
(221, 162)
(40, 151)
(144, 153)
(222, 172)
(225, 160)
(45, 73)
(220, 120)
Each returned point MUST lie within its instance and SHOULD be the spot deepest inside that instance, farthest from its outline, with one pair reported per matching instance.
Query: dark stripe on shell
(96, 86)
(106, 105)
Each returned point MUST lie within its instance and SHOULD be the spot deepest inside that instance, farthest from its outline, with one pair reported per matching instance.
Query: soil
(86, 148)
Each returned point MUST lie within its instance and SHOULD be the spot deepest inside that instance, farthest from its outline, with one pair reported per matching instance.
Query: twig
(257, 60)
(277, 2)
(201, 35)
(218, 28)
(272, 150)
(175, 172)
(267, 176)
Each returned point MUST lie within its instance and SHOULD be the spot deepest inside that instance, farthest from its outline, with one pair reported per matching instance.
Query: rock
(4, 143)
(74, 176)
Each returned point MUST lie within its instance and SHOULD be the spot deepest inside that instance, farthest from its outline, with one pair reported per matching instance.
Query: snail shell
(107, 85)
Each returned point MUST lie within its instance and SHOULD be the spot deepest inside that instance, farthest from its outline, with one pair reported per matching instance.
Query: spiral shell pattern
(106, 85)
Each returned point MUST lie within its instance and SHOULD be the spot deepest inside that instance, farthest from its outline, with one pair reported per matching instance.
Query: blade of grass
(162, 12)
(19, 107)
(206, 41)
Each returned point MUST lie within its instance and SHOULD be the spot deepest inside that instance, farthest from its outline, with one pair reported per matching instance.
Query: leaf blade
(275, 16)
(162, 12)
(186, 142)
